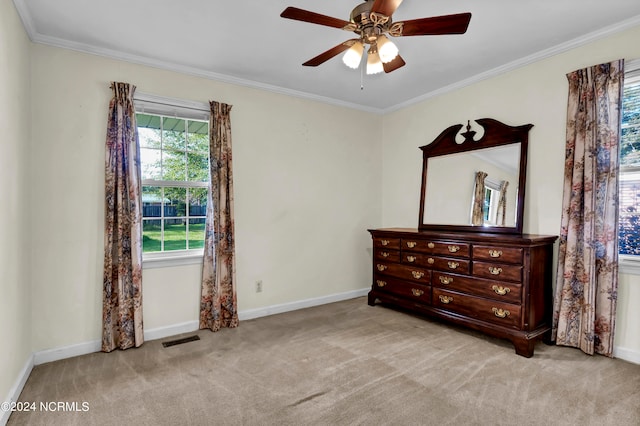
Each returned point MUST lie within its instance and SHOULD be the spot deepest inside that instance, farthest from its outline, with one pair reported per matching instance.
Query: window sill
(165, 260)
(629, 265)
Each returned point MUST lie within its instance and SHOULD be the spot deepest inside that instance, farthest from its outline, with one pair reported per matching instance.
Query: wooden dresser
(497, 284)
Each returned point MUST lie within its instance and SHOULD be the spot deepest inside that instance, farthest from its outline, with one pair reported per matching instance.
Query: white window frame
(630, 264)
(152, 104)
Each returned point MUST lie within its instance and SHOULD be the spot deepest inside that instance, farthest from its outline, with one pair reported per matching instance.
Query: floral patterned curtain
(122, 279)
(477, 212)
(502, 204)
(218, 305)
(587, 280)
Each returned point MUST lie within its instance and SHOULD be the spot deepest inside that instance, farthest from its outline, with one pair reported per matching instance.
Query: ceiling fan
(372, 22)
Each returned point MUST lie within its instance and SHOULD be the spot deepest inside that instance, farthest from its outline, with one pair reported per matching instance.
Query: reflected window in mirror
(494, 208)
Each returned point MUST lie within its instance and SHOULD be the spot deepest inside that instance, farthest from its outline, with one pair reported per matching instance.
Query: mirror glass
(486, 178)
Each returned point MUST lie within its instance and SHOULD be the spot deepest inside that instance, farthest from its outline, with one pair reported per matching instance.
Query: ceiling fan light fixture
(353, 56)
(386, 49)
(374, 64)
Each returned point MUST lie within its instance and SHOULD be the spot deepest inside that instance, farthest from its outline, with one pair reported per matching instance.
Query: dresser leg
(524, 347)
(371, 299)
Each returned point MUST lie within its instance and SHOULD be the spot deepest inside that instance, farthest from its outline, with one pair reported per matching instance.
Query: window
(629, 191)
(174, 156)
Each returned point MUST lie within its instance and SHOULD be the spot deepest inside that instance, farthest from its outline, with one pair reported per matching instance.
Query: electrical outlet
(259, 286)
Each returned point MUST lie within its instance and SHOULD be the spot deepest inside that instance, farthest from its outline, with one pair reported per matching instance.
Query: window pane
(148, 130)
(196, 233)
(174, 165)
(151, 235)
(151, 201)
(198, 201)
(630, 147)
(198, 167)
(173, 134)
(631, 104)
(177, 202)
(198, 136)
(175, 234)
(150, 160)
(629, 197)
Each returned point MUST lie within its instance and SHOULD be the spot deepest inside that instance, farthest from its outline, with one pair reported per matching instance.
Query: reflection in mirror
(453, 192)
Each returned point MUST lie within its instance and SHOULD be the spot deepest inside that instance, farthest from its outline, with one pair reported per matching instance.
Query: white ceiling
(246, 42)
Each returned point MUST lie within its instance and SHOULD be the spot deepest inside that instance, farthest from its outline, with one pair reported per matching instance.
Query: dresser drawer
(460, 266)
(404, 272)
(436, 247)
(386, 254)
(500, 291)
(505, 314)
(497, 254)
(386, 243)
(497, 271)
(414, 291)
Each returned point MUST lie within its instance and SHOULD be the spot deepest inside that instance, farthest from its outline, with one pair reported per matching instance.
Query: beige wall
(534, 94)
(307, 186)
(15, 308)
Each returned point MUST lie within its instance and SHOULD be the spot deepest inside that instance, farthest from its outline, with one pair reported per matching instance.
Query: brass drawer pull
(494, 271)
(430, 261)
(384, 242)
(411, 259)
(384, 254)
(500, 290)
(453, 265)
(411, 244)
(417, 274)
(431, 245)
(495, 253)
(381, 267)
(446, 299)
(417, 292)
(501, 313)
(381, 283)
(454, 249)
(446, 280)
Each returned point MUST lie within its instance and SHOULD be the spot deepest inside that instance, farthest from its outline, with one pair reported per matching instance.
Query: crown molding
(27, 21)
(25, 17)
(527, 60)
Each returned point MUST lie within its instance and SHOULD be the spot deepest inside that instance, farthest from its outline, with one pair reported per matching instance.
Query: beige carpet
(341, 364)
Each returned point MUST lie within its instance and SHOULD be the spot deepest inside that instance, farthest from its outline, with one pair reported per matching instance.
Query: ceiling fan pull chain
(362, 77)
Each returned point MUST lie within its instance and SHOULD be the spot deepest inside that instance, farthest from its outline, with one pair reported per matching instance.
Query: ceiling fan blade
(437, 25)
(385, 7)
(312, 17)
(325, 56)
(396, 63)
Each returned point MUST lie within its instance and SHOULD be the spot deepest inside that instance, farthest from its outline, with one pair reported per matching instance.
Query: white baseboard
(626, 354)
(14, 392)
(301, 304)
(170, 330)
(56, 354)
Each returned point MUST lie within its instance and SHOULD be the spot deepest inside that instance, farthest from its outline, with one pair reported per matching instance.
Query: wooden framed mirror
(474, 181)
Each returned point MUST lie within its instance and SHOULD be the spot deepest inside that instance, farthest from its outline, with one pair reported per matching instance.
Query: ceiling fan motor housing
(367, 28)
